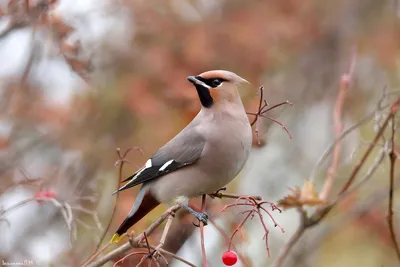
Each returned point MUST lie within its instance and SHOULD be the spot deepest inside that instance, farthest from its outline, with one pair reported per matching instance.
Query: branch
(293, 239)
(12, 26)
(338, 125)
(218, 194)
(128, 245)
(314, 219)
(262, 109)
(367, 152)
(122, 159)
(393, 158)
(166, 252)
(228, 240)
(255, 208)
(330, 148)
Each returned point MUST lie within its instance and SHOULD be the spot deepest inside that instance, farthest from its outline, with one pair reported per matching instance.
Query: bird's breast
(226, 150)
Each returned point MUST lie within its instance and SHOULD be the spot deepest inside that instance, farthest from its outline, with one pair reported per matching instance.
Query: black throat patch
(204, 95)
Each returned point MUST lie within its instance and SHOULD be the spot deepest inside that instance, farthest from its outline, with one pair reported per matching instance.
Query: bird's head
(217, 86)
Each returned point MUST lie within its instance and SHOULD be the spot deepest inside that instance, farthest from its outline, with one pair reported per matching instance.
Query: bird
(204, 157)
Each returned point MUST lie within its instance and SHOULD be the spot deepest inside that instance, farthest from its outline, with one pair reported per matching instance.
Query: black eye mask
(204, 95)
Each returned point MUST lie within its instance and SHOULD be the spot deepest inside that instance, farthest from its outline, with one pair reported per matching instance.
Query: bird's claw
(202, 217)
(221, 189)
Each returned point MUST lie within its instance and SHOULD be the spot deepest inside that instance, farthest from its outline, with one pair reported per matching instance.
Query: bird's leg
(201, 216)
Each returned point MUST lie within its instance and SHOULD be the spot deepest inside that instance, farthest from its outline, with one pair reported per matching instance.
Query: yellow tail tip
(116, 238)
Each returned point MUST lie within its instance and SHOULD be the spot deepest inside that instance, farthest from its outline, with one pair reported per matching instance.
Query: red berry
(44, 194)
(50, 194)
(229, 258)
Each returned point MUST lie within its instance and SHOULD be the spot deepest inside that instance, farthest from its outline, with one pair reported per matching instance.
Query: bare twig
(366, 154)
(255, 208)
(128, 245)
(11, 26)
(65, 209)
(122, 159)
(330, 148)
(228, 240)
(233, 196)
(338, 126)
(97, 253)
(127, 256)
(163, 251)
(314, 219)
(257, 205)
(393, 159)
(378, 161)
(262, 109)
(16, 206)
(156, 253)
(293, 239)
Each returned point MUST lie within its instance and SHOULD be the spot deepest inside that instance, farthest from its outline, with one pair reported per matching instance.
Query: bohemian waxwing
(204, 157)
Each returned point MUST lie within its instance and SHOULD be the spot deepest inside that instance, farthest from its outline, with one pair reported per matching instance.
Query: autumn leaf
(307, 196)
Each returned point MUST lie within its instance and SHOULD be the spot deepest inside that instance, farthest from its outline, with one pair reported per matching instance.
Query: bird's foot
(201, 216)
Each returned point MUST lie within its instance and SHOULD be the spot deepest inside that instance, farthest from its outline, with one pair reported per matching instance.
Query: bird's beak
(192, 79)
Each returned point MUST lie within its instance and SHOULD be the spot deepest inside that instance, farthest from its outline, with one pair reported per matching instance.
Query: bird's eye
(216, 82)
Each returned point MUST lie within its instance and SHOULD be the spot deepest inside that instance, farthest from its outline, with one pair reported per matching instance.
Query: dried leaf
(59, 25)
(68, 48)
(307, 196)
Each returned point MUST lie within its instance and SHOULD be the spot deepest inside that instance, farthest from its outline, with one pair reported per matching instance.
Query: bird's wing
(184, 149)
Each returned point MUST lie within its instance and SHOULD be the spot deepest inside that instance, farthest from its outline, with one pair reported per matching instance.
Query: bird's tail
(144, 203)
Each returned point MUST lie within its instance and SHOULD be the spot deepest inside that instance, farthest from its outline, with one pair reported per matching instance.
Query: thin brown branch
(338, 128)
(127, 256)
(120, 164)
(134, 243)
(256, 208)
(261, 91)
(16, 206)
(371, 171)
(293, 239)
(238, 229)
(314, 219)
(96, 253)
(234, 196)
(330, 148)
(256, 204)
(366, 154)
(392, 113)
(166, 252)
(222, 232)
(11, 26)
(262, 109)
(279, 123)
(287, 102)
(393, 159)
(148, 255)
(156, 254)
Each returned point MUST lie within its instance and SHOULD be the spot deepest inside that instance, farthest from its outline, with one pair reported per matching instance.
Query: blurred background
(79, 79)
